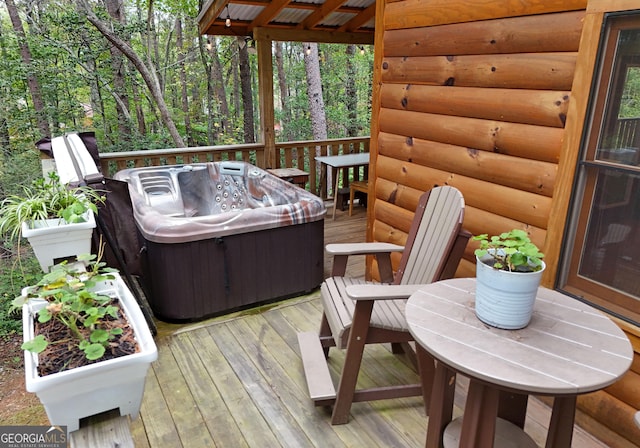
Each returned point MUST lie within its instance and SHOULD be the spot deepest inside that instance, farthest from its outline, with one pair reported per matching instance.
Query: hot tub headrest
(232, 168)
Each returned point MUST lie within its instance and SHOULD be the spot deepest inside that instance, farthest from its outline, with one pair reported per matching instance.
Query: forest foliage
(87, 84)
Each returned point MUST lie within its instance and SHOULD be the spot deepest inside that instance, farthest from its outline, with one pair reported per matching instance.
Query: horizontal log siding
(534, 107)
(515, 172)
(476, 95)
(477, 105)
(490, 36)
(515, 139)
(418, 13)
(548, 71)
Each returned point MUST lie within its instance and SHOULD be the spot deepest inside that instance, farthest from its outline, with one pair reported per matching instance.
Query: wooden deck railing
(626, 133)
(299, 155)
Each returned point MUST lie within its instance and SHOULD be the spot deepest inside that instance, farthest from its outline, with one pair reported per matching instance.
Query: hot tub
(222, 236)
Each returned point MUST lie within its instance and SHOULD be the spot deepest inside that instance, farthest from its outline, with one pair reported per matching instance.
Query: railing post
(265, 86)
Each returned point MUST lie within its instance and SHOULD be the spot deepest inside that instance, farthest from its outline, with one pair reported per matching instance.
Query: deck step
(108, 429)
(316, 370)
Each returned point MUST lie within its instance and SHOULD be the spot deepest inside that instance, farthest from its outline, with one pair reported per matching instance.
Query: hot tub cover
(182, 203)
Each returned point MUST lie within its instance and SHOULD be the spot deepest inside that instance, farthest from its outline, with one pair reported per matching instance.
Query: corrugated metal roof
(336, 19)
(246, 17)
(359, 3)
(292, 16)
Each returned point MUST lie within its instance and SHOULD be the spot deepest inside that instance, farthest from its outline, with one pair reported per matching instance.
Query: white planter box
(85, 391)
(52, 239)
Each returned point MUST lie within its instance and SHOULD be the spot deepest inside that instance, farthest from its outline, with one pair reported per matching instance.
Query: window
(602, 260)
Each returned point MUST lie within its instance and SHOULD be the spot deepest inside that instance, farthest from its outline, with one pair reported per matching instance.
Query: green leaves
(510, 251)
(35, 345)
(72, 300)
(46, 199)
(92, 351)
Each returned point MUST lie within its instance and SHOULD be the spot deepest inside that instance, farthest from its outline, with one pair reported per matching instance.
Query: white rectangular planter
(52, 239)
(85, 391)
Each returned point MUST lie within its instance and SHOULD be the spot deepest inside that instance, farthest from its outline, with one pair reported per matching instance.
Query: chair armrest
(381, 292)
(382, 251)
(362, 248)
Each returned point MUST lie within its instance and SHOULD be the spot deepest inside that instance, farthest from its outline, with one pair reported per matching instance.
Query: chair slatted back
(432, 236)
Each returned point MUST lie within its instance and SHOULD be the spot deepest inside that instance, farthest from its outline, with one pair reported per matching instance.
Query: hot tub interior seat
(203, 190)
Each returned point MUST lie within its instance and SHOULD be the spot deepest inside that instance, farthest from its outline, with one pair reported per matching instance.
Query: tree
(282, 84)
(247, 92)
(32, 80)
(148, 74)
(218, 108)
(183, 82)
(115, 9)
(314, 92)
(351, 97)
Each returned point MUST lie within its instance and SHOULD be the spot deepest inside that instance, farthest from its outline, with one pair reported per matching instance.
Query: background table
(569, 348)
(293, 175)
(341, 161)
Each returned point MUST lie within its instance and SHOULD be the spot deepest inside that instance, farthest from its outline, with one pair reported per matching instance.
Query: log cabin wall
(476, 95)
(478, 104)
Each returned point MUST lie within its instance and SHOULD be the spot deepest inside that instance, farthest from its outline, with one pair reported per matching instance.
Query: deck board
(238, 381)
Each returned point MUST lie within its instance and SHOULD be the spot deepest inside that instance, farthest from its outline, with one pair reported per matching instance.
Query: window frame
(621, 304)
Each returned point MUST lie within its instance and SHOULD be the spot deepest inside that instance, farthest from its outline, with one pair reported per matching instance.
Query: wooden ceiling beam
(321, 36)
(209, 14)
(319, 14)
(359, 20)
(268, 13)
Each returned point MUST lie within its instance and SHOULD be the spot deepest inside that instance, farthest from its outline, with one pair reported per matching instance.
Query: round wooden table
(569, 348)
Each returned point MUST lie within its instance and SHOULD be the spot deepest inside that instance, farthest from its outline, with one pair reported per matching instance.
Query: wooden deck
(238, 381)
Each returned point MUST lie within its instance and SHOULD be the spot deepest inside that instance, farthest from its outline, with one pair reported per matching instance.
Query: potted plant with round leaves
(57, 219)
(509, 268)
(87, 344)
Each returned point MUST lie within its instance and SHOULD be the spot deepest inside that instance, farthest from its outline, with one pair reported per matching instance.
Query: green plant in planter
(510, 251)
(46, 199)
(67, 289)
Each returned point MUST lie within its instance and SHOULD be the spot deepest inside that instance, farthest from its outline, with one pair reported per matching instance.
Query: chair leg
(352, 362)
(427, 371)
(326, 338)
(352, 192)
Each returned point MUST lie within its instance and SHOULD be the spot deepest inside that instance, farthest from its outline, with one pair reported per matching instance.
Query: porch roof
(330, 21)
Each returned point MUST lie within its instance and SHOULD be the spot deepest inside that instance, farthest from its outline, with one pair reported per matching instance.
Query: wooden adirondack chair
(435, 244)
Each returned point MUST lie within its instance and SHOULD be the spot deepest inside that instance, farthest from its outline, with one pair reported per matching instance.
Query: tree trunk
(351, 94)
(314, 92)
(153, 53)
(149, 76)
(4, 107)
(208, 68)
(247, 92)
(32, 80)
(220, 94)
(183, 83)
(236, 89)
(115, 8)
(142, 125)
(284, 94)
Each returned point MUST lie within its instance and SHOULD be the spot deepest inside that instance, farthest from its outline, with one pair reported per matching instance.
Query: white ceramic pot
(118, 383)
(53, 239)
(505, 299)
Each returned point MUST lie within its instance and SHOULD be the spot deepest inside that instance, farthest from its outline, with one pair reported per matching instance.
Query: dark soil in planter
(63, 353)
